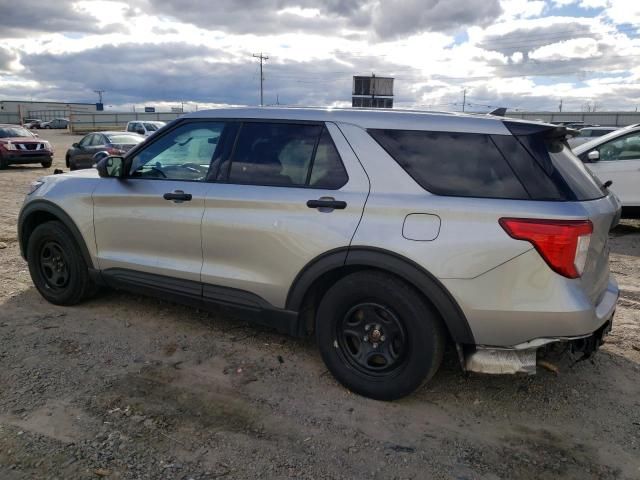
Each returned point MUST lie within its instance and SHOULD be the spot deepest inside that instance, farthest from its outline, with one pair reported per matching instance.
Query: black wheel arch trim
(384, 260)
(51, 208)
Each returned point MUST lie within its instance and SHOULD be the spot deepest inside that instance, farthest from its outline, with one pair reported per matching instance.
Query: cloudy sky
(514, 53)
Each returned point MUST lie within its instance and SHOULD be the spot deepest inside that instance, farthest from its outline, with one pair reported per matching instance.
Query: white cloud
(522, 8)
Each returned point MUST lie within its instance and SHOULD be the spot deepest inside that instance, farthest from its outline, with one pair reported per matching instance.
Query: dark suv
(19, 146)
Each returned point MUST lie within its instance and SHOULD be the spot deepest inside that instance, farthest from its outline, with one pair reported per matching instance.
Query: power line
(262, 59)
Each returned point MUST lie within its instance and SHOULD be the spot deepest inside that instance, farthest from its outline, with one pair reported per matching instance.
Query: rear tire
(378, 336)
(66, 160)
(56, 265)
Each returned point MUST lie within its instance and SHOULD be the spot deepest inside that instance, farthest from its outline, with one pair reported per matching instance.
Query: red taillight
(562, 243)
(114, 151)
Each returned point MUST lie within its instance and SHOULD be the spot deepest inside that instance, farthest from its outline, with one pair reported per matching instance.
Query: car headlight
(35, 186)
(10, 146)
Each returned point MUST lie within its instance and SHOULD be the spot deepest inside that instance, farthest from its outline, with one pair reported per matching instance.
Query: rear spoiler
(546, 129)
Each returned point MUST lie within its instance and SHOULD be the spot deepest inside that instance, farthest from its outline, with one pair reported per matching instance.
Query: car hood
(84, 173)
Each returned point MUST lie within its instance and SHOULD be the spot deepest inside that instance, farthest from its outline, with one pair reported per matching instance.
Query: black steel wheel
(53, 265)
(378, 336)
(57, 267)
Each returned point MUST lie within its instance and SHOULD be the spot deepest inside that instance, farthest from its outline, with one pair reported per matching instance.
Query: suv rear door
(288, 193)
(148, 225)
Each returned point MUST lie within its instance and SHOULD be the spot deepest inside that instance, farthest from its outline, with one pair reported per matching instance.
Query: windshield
(151, 127)
(8, 132)
(125, 139)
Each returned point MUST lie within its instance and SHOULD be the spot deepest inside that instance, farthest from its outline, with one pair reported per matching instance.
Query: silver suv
(387, 234)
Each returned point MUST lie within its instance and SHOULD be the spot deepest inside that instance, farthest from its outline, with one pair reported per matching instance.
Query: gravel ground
(129, 387)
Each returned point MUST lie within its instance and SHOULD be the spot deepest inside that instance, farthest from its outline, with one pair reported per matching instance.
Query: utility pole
(560, 106)
(99, 92)
(464, 98)
(262, 59)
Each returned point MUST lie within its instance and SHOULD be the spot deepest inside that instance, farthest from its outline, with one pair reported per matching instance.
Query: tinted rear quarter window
(451, 163)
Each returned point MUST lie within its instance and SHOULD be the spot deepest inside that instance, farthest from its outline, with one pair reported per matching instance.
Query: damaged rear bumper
(522, 358)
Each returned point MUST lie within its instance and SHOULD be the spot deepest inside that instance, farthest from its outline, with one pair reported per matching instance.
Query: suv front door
(148, 224)
(288, 193)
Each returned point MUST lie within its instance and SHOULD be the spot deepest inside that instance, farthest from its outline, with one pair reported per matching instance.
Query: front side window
(273, 153)
(451, 163)
(626, 147)
(184, 153)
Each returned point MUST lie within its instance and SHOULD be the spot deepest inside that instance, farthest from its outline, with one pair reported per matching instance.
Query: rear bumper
(524, 358)
(524, 304)
(26, 158)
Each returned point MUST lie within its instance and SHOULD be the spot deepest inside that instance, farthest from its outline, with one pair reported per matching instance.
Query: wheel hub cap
(372, 338)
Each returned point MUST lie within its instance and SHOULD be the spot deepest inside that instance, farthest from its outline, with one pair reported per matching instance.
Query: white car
(145, 128)
(616, 157)
(589, 133)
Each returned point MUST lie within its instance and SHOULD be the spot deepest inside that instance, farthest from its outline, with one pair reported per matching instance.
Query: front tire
(378, 336)
(46, 164)
(4, 163)
(56, 265)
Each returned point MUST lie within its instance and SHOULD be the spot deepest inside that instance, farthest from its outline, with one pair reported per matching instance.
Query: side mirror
(593, 155)
(112, 167)
(75, 145)
(140, 131)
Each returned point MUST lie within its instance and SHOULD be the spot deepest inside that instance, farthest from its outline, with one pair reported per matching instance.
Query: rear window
(454, 164)
(566, 171)
(125, 139)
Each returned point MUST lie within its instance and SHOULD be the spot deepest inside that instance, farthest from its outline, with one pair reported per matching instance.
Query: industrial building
(15, 111)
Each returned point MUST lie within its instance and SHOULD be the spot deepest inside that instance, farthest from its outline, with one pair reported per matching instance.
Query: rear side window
(454, 164)
(327, 171)
(289, 155)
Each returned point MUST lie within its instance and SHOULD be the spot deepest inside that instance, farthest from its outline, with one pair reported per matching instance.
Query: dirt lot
(129, 387)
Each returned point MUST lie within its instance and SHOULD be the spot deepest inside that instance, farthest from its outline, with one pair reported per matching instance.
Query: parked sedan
(55, 123)
(616, 157)
(80, 155)
(32, 123)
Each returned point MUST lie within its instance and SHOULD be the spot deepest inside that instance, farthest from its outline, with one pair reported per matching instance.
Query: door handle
(328, 203)
(178, 196)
